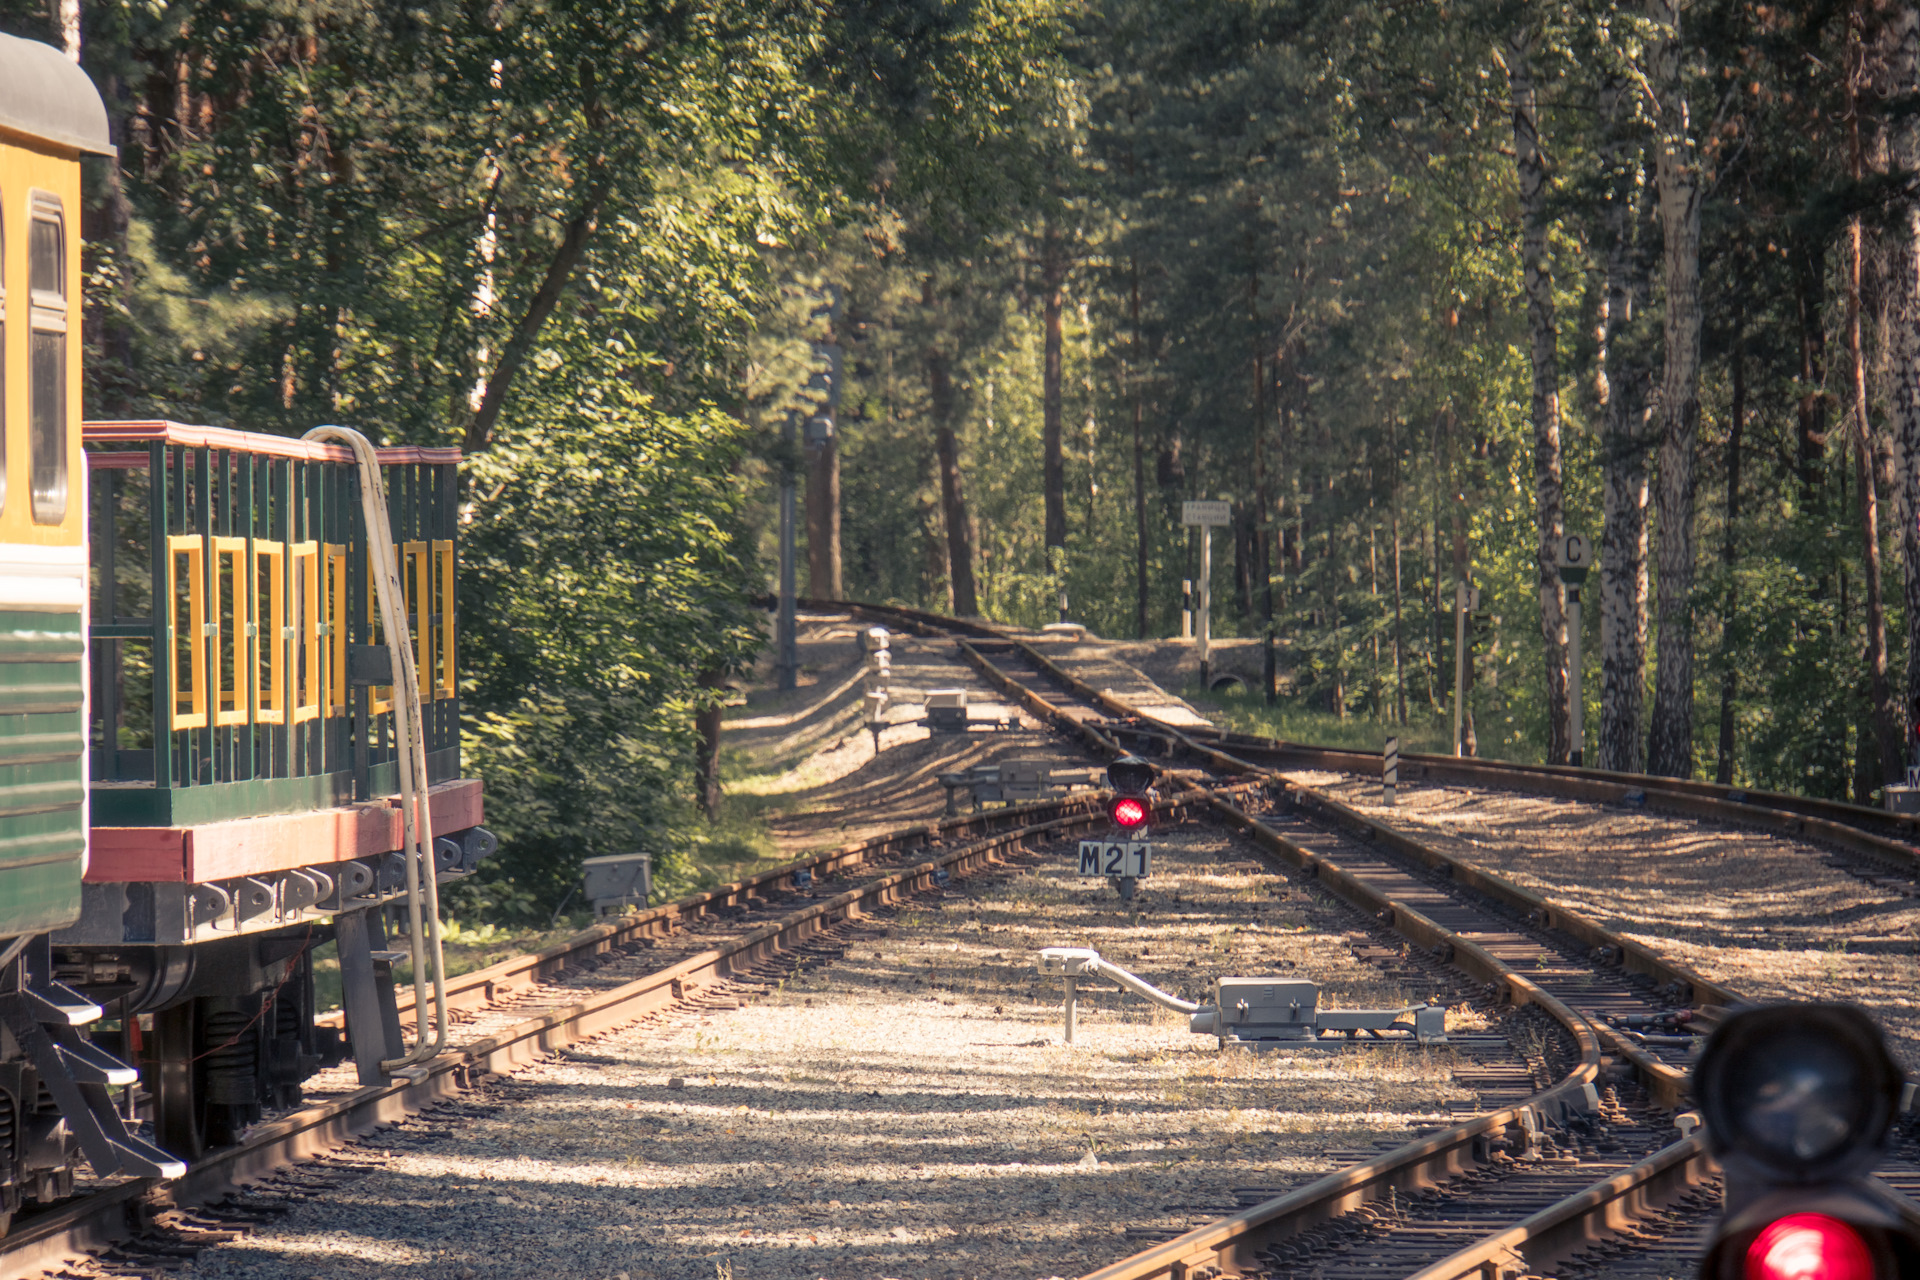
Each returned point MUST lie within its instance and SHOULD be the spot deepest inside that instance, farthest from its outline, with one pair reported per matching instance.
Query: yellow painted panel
(230, 599)
(307, 675)
(186, 564)
(25, 168)
(379, 696)
(418, 571)
(337, 630)
(446, 686)
(275, 635)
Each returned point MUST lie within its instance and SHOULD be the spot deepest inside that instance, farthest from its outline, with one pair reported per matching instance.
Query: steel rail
(111, 1214)
(1539, 1241)
(1889, 838)
(484, 987)
(1609, 949)
(1234, 1243)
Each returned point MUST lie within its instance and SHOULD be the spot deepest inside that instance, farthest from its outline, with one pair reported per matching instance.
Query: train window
(272, 631)
(309, 632)
(47, 358)
(338, 629)
(445, 687)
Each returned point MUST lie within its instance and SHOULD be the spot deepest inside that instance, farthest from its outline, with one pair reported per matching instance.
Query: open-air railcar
(209, 764)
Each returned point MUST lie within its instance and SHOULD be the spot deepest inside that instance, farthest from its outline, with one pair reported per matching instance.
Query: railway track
(531, 1006)
(1448, 1214)
(1569, 1170)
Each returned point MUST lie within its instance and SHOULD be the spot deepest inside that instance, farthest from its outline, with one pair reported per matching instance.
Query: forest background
(1419, 288)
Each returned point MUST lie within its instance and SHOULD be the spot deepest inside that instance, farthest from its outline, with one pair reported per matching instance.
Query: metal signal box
(947, 710)
(618, 880)
(1271, 1012)
(1266, 1008)
(1025, 779)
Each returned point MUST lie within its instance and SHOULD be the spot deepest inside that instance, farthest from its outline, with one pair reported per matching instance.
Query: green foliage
(541, 229)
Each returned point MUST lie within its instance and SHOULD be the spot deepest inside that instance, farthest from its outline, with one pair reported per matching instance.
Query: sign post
(1390, 773)
(1574, 556)
(1206, 515)
(1465, 600)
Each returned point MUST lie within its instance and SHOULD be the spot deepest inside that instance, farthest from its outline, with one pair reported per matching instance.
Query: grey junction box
(1271, 1012)
(618, 880)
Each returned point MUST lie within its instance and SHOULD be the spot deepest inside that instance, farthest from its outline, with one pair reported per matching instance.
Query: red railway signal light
(1797, 1101)
(1809, 1246)
(1130, 777)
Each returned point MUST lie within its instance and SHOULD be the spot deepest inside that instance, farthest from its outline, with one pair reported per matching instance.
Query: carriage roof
(44, 95)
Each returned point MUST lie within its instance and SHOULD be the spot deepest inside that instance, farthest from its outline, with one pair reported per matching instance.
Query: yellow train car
(50, 116)
(54, 1102)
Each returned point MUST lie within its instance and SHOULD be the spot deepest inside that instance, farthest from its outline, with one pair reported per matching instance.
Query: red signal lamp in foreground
(1128, 812)
(1798, 1100)
(1809, 1246)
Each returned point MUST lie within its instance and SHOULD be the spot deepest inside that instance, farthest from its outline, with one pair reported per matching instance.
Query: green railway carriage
(229, 730)
(50, 116)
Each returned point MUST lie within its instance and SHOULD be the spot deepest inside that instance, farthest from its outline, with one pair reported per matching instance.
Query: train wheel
(179, 1112)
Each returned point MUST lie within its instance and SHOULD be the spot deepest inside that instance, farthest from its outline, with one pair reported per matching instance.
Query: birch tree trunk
(1623, 450)
(1543, 349)
(1900, 43)
(1670, 746)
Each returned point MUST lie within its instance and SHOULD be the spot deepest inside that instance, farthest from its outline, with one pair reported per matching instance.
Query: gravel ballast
(1765, 914)
(906, 1110)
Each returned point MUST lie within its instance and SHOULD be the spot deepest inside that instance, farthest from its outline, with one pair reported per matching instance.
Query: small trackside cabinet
(1266, 1008)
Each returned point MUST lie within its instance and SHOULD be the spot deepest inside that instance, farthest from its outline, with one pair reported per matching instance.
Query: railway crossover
(1639, 1219)
(1569, 1171)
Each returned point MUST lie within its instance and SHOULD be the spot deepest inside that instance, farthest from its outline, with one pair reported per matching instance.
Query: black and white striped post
(1390, 773)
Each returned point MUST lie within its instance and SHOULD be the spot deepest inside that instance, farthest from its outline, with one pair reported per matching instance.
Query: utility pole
(786, 641)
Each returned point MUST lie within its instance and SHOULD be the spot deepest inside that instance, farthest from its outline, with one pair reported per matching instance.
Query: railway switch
(1798, 1100)
(1258, 1013)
